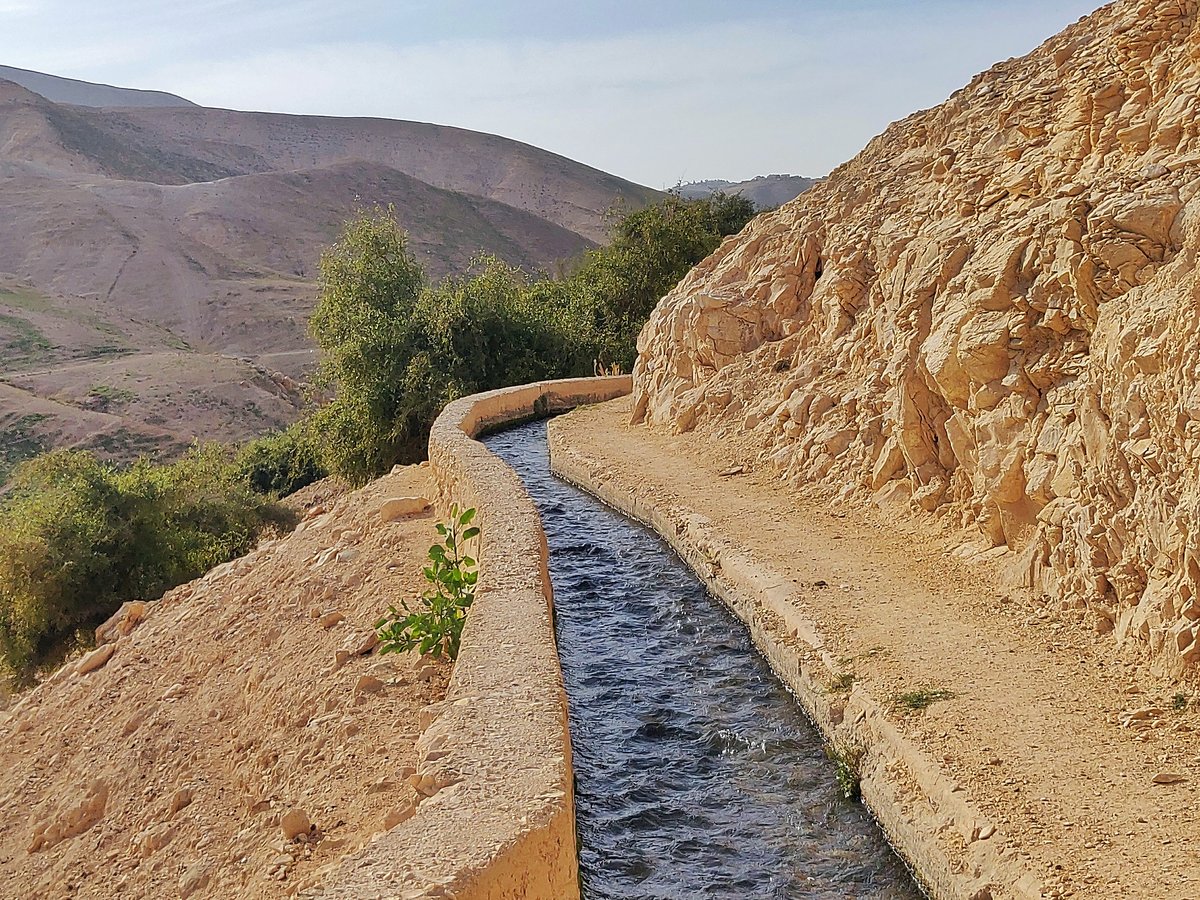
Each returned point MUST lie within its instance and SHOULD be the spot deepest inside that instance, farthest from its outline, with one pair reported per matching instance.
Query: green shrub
(78, 537)
(652, 249)
(436, 626)
(492, 327)
(372, 352)
(395, 350)
(281, 463)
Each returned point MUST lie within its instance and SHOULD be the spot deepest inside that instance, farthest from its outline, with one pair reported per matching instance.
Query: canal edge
(497, 817)
(951, 847)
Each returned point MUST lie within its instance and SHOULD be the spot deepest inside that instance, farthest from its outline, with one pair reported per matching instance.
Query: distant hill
(158, 263)
(764, 191)
(84, 93)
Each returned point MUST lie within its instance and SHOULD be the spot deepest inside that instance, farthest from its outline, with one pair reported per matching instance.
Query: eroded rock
(396, 508)
(988, 315)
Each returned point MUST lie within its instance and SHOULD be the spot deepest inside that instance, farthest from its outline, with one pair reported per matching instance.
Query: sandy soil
(170, 770)
(1050, 734)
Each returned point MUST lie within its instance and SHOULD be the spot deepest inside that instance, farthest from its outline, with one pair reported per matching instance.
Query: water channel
(697, 774)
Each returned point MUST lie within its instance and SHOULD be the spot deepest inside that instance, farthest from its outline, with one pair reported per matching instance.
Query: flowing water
(697, 774)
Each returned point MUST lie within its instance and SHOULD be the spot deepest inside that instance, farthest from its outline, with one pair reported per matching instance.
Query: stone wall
(497, 821)
(990, 314)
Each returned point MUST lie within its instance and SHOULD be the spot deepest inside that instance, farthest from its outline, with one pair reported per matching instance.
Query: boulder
(396, 508)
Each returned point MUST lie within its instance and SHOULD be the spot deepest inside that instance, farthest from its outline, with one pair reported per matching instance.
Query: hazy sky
(658, 91)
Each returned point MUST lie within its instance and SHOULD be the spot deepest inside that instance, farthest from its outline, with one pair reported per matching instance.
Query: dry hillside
(990, 314)
(236, 738)
(167, 231)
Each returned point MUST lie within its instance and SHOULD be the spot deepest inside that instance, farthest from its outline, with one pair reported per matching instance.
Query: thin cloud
(795, 86)
(726, 101)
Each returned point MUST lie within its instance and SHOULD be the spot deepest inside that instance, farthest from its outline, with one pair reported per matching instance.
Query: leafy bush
(371, 350)
(493, 327)
(396, 350)
(436, 628)
(79, 537)
(651, 250)
(282, 463)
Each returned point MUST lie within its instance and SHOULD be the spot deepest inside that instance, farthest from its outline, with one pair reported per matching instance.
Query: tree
(371, 349)
(652, 249)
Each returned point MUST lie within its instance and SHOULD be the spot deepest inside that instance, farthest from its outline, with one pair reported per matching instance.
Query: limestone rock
(154, 839)
(396, 508)
(181, 799)
(123, 621)
(295, 823)
(96, 659)
(988, 315)
(398, 815)
(196, 878)
(368, 684)
(72, 820)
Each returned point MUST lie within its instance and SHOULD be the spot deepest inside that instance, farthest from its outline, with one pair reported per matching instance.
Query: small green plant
(923, 698)
(842, 682)
(1179, 702)
(847, 768)
(436, 626)
(106, 394)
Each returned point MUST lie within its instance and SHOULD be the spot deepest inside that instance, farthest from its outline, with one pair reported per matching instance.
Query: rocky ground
(236, 738)
(1087, 765)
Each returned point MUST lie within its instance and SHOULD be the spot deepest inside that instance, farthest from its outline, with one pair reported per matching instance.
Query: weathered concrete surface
(498, 817)
(926, 815)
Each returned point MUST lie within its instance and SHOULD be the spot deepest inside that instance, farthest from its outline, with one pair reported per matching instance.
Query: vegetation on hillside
(78, 537)
(395, 349)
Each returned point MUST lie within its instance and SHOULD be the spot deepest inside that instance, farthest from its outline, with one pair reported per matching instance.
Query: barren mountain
(764, 191)
(84, 93)
(172, 232)
(990, 315)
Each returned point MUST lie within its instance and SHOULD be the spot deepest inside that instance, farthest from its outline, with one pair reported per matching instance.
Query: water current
(697, 773)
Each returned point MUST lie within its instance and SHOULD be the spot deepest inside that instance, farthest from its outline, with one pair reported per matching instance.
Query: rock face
(992, 312)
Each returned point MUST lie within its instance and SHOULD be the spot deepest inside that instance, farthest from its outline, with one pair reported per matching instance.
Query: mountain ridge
(764, 191)
(148, 234)
(86, 93)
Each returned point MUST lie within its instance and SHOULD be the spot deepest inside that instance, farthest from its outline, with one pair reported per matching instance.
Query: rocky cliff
(992, 314)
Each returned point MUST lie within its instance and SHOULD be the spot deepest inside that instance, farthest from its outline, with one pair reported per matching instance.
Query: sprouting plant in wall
(435, 626)
(847, 767)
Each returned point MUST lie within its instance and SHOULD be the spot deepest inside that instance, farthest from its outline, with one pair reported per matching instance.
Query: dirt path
(1038, 729)
(170, 769)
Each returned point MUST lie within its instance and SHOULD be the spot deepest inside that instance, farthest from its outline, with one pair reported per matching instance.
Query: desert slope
(990, 313)
(151, 234)
(172, 760)
(85, 93)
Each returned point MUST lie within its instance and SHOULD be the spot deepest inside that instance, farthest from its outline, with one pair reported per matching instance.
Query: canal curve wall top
(497, 821)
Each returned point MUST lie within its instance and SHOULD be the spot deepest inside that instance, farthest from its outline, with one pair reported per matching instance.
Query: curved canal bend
(697, 774)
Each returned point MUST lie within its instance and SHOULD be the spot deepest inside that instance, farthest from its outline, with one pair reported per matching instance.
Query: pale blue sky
(657, 91)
